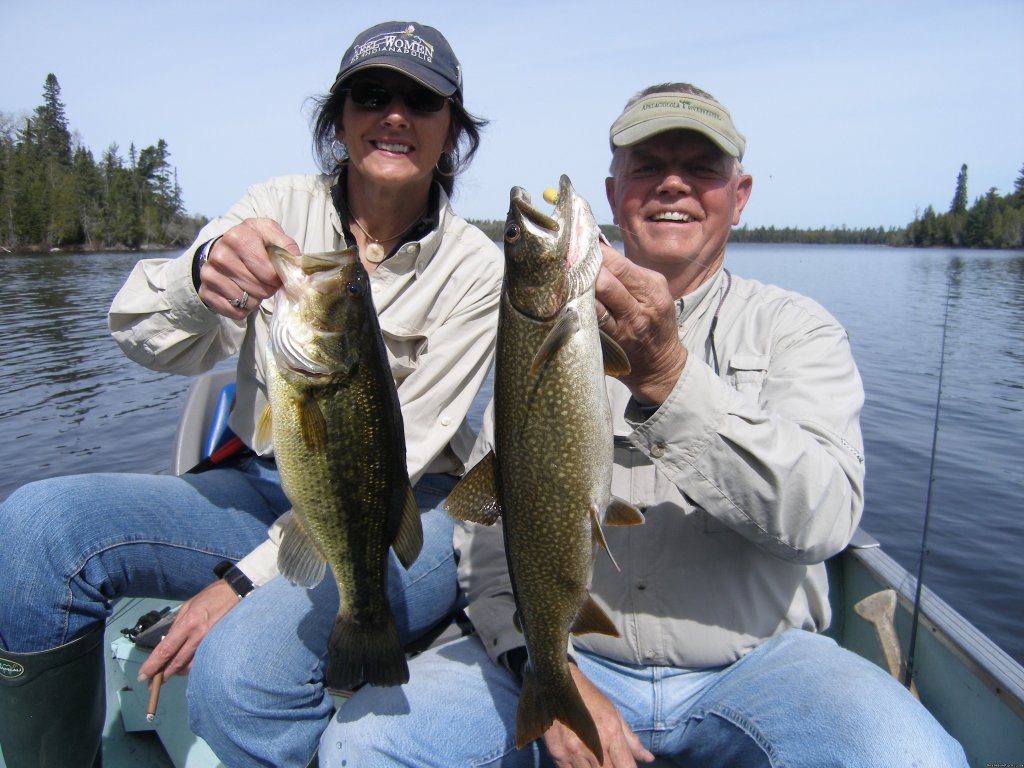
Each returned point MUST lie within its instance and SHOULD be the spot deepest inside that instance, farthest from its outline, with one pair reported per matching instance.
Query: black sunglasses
(416, 98)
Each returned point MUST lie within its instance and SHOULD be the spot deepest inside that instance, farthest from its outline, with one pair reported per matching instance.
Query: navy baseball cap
(414, 49)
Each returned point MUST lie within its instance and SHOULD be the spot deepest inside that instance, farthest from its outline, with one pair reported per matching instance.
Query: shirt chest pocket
(747, 373)
(405, 348)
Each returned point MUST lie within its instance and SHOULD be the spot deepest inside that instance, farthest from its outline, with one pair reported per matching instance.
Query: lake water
(71, 402)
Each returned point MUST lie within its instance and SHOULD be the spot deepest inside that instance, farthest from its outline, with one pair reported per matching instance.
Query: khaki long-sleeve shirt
(749, 479)
(436, 298)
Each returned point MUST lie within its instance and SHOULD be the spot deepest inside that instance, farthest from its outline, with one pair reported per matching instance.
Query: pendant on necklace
(375, 253)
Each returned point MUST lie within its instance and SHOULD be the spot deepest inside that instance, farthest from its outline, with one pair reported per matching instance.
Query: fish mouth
(522, 202)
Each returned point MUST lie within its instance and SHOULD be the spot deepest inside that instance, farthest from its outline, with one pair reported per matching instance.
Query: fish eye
(512, 233)
(354, 288)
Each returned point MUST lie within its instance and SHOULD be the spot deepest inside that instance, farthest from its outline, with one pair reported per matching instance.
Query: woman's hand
(195, 619)
(238, 274)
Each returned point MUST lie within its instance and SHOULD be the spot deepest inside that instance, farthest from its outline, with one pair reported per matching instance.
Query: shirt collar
(418, 231)
(696, 303)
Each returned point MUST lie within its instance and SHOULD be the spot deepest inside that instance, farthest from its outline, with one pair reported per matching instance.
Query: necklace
(375, 252)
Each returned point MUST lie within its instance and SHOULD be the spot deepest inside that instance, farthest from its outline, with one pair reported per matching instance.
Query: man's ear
(609, 191)
(743, 189)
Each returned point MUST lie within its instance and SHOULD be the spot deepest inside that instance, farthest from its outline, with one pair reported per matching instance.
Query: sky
(856, 114)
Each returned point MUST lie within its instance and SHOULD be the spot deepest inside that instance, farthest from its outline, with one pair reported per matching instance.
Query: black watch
(240, 583)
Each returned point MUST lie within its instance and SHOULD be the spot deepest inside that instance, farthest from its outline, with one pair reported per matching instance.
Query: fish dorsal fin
(621, 512)
(615, 361)
(409, 538)
(562, 331)
(299, 559)
(475, 497)
(264, 437)
(598, 535)
(312, 425)
(592, 618)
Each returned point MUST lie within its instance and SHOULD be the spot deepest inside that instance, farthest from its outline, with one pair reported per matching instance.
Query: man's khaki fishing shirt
(749, 478)
(436, 298)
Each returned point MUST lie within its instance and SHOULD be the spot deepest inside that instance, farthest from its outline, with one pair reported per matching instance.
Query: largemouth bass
(336, 427)
(549, 476)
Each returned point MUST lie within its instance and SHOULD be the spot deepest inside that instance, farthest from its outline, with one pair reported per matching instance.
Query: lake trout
(336, 427)
(549, 476)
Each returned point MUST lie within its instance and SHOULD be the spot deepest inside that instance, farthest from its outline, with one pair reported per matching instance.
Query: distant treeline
(53, 194)
(993, 221)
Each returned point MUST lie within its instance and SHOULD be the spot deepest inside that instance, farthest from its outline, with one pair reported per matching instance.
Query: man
(737, 432)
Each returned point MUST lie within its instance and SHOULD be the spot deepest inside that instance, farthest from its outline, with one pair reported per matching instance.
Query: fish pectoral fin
(299, 558)
(615, 361)
(409, 538)
(621, 512)
(264, 437)
(564, 329)
(597, 532)
(593, 619)
(312, 425)
(475, 497)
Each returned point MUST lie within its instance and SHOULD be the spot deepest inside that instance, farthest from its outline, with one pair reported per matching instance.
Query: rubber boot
(53, 705)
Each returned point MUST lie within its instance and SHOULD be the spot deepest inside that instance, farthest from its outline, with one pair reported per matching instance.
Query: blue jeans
(256, 690)
(71, 545)
(797, 700)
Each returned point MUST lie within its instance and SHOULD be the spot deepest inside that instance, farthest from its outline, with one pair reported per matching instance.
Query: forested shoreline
(54, 195)
(994, 221)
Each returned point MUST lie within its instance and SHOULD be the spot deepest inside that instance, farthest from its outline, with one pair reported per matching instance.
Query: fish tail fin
(536, 713)
(299, 559)
(369, 653)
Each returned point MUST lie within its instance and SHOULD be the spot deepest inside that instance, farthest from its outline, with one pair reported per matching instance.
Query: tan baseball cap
(660, 112)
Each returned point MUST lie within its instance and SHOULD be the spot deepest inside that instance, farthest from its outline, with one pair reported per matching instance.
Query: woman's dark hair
(464, 133)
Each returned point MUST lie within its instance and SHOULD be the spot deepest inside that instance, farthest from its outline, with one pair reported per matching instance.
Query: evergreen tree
(51, 125)
(88, 185)
(959, 205)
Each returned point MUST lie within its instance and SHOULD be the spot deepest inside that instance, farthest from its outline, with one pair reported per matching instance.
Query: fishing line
(909, 674)
(710, 350)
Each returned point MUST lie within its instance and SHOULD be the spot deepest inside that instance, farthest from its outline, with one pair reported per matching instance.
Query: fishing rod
(915, 620)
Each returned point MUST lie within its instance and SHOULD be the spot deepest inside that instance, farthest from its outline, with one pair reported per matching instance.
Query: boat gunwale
(995, 668)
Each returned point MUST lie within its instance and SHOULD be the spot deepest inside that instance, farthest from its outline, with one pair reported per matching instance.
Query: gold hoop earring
(453, 159)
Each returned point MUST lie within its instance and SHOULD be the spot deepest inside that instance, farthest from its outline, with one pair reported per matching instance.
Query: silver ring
(604, 318)
(241, 301)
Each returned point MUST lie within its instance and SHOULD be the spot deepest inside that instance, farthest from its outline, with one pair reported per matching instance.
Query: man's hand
(195, 618)
(642, 319)
(238, 265)
(622, 747)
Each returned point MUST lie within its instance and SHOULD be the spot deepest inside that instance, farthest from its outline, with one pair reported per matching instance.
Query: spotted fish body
(338, 439)
(550, 472)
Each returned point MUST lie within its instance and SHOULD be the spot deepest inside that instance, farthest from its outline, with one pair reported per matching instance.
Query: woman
(391, 135)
